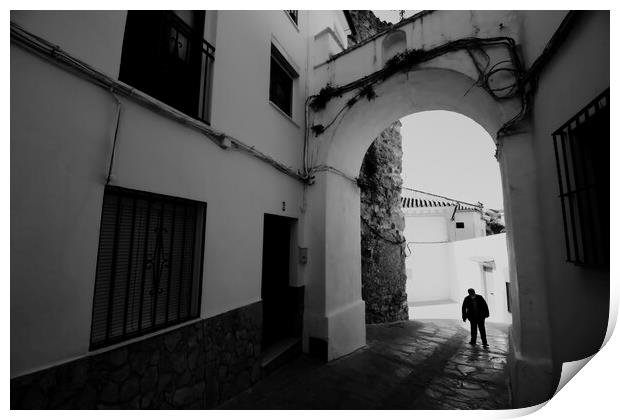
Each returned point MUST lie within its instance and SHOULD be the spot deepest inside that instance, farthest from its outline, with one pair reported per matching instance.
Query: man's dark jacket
(470, 313)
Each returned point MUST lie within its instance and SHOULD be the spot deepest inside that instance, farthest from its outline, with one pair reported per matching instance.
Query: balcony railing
(168, 58)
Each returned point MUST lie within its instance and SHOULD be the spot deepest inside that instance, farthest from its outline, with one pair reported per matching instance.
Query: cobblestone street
(405, 365)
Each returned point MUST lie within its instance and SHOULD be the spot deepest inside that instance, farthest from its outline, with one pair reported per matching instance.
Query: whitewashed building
(174, 173)
(448, 251)
(154, 156)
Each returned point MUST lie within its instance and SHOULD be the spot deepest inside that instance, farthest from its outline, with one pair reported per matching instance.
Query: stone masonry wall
(196, 366)
(366, 25)
(382, 220)
(382, 225)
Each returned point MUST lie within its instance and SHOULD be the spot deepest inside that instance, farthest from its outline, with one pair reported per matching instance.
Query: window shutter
(149, 266)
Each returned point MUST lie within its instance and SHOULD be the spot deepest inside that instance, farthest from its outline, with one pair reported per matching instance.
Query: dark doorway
(282, 303)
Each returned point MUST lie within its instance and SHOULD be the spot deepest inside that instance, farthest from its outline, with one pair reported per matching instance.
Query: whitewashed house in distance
(448, 251)
(184, 196)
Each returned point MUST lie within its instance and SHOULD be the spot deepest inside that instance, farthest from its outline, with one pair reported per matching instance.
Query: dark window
(460, 225)
(281, 80)
(508, 296)
(149, 266)
(293, 14)
(582, 162)
(165, 55)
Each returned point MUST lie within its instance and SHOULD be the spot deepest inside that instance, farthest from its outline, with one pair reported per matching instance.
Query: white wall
(468, 256)
(93, 37)
(318, 20)
(241, 105)
(432, 273)
(428, 274)
(474, 225)
(61, 142)
(426, 227)
(328, 30)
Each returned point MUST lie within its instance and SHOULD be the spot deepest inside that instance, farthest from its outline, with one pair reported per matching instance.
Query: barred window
(149, 266)
(582, 162)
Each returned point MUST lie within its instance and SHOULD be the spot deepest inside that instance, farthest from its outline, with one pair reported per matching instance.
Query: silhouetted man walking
(476, 310)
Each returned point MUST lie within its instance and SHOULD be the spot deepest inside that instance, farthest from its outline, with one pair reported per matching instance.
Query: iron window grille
(293, 14)
(149, 264)
(582, 161)
(460, 225)
(281, 78)
(165, 55)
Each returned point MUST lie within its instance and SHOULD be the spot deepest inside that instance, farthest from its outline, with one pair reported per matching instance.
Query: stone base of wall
(196, 366)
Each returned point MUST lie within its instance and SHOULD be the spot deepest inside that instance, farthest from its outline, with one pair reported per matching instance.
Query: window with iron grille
(164, 55)
(582, 161)
(281, 78)
(149, 265)
(460, 225)
(293, 14)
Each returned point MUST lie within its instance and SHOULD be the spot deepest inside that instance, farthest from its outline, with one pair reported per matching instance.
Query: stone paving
(405, 365)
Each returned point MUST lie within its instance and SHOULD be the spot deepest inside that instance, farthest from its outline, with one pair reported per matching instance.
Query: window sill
(284, 114)
(143, 337)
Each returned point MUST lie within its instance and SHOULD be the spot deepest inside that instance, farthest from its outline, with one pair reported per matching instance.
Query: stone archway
(334, 319)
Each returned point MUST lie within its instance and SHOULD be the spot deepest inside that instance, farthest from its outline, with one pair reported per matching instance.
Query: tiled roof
(411, 198)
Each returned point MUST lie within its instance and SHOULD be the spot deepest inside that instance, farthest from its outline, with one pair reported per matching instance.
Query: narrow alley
(405, 365)
(198, 197)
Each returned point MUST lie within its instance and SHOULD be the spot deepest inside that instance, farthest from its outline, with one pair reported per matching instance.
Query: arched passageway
(448, 245)
(334, 319)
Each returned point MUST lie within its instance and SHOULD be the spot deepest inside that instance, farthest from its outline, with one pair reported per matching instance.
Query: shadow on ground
(405, 365)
